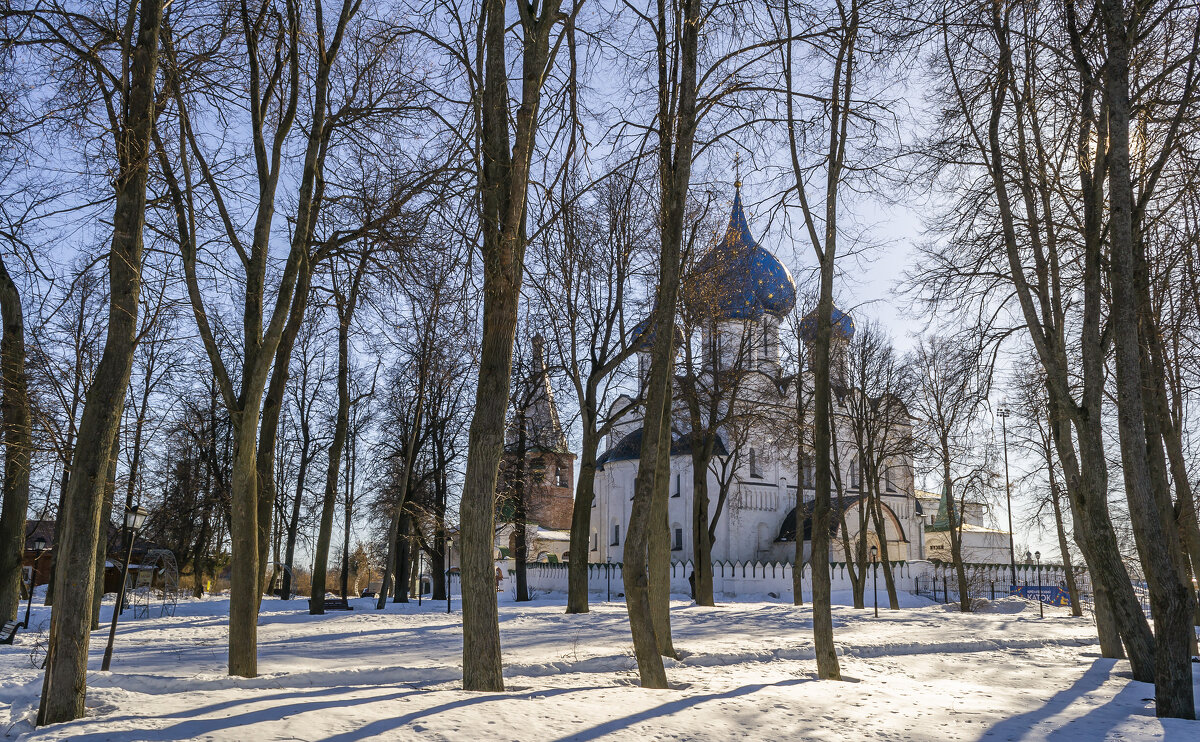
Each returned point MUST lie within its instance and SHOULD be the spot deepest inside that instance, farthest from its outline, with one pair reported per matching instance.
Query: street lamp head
(135, 517)
(39, 544)
(1037, 555)
(874, 551)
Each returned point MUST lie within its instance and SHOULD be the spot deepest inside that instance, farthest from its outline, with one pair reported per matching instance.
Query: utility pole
(1003, 414)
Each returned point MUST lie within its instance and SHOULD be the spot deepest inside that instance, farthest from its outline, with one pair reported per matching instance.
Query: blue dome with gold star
(738, 279)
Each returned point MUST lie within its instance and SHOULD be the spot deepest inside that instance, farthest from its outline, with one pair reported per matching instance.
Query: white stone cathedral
(747, 291)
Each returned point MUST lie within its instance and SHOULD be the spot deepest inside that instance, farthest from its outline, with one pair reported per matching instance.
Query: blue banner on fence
(1048, 594)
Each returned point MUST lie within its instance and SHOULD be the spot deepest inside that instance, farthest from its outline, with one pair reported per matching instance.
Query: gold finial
(737, 170)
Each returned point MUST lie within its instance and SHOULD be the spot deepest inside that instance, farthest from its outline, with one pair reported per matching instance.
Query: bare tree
(1146, 488)
(952, 389)
(1041, 246)
(507, 140)
(583, 293)
(879, 432)
(18, 444)
(131, 84)
(822, 230)
(1029, 401)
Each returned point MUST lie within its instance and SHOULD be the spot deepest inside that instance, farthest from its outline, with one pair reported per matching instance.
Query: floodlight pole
(1003, 414)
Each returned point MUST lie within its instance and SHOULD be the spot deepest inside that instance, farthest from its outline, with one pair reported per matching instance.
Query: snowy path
(920, 673)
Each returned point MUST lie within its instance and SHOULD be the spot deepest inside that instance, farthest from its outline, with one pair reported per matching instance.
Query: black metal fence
(944, 588)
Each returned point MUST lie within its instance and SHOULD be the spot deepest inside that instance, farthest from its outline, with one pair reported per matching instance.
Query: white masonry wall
(758, 579)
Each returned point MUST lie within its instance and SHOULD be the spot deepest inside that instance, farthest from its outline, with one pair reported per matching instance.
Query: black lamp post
(449, 573)
(875, 577)
(39, 545)
(608, 578)
(1041, 609)
(134, 518)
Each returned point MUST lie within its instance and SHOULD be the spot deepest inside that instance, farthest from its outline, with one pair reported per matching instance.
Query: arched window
(616, 534)
(855, 480)
(595, 540)
(808, 477)
(755, 470)
(676, 537)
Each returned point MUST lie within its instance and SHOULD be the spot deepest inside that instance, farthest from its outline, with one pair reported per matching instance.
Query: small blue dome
(843, 325)
(643, 335)
(737, 279)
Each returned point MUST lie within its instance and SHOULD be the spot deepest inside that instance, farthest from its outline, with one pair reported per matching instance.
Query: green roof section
(945, 514)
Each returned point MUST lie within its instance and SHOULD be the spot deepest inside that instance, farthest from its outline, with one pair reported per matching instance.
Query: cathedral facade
(762, 492)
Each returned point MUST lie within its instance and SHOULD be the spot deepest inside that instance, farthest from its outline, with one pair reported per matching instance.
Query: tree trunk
(581, 518)
(506, 154)
(658, 552)
(403, 558)
(65, 680)
(827, 661)
(293, 526)
(198, 555)
(245, 571)
(956, 522)
(1158, 547)
(102, 545)
(481, 629)
(329, 502)
(410, 457)
(521, 553)
(885, 558)
(701, 545)
(18, 442)
(268, 435)
(798, 557)
(635, 571)
(1120, 623)
(346, 552)
(1060, 529)
(676, 136)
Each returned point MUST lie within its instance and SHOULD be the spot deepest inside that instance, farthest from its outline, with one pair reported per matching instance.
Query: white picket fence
(734, 579)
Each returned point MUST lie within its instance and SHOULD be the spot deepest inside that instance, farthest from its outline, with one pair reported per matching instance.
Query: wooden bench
(334, 604)
(8, 632)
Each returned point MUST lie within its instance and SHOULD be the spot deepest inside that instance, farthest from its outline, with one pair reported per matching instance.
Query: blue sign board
(1048, 594)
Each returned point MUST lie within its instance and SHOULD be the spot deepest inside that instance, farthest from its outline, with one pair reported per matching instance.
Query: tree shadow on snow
(383, 726)
(192, 727)
(673, 707)
(1095, 724)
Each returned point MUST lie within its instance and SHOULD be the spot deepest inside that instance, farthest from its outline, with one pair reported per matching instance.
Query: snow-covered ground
(920, 673)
